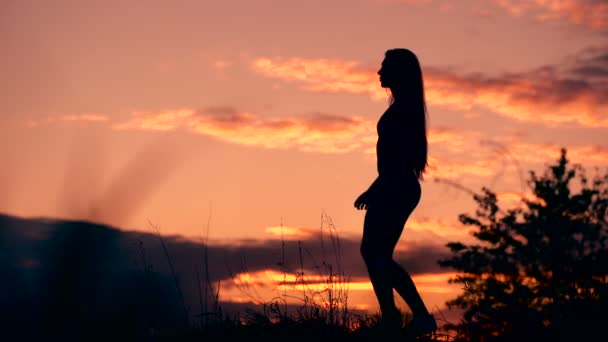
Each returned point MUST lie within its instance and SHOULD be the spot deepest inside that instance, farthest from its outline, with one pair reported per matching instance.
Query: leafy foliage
(540, 270)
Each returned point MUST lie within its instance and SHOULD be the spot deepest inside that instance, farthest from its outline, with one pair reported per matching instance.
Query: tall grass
(299, 308)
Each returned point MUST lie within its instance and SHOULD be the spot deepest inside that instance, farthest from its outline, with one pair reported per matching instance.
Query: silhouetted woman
(401, 152)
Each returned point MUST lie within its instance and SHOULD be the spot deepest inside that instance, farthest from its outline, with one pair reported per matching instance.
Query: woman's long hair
(408, 87)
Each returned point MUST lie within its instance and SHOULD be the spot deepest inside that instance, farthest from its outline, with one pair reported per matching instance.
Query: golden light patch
(286, 281)
(288, 232)
(514, 197)
(438, 227)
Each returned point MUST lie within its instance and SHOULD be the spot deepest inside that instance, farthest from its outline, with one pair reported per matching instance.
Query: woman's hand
(362, 202)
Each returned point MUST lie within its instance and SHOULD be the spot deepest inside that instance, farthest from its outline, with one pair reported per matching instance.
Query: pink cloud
(545, 153)
(589, 13)
(323, 75)
(571, 92)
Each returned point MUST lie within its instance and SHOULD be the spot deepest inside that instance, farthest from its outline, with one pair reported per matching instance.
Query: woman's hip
(397, 197)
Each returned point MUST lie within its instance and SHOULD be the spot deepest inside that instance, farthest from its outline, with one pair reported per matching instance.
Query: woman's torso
(396, 141)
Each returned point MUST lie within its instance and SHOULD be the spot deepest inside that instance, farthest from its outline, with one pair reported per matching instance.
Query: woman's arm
(362, 202)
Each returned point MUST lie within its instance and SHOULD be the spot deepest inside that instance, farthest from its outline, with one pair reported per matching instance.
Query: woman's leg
(404, 285)
(381, 231)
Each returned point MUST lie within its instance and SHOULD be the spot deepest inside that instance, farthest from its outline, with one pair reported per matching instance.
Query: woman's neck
(398, 101)
(399, 96)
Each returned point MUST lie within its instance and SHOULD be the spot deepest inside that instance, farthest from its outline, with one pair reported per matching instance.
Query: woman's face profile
(385, 74)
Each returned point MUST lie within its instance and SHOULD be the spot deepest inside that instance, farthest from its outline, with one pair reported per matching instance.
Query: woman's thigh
(386, 217)
(382, 229)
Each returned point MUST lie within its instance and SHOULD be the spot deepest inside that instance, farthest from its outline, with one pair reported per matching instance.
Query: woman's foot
(422, 325)
(391, 322)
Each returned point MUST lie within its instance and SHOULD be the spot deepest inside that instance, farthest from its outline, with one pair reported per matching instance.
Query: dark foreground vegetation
(78, 281)
(538, 272)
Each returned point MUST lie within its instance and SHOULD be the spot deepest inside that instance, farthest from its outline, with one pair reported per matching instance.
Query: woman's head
(402, 74)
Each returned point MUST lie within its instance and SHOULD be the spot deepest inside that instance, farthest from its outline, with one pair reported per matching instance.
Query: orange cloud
(316, 132)
(264, 286)
(589, 13)
(432, 283)
(552, 94)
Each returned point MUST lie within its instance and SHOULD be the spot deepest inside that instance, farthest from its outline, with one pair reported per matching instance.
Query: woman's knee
(378, 264)
(374, 259)
(367, 252)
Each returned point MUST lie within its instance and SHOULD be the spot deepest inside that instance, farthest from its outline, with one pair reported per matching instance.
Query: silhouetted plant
(540, 270)
(312, 302)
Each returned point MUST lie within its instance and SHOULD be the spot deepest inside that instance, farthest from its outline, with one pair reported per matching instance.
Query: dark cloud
(579, 82)
(592, 71)
(224, 116)
(590, 63)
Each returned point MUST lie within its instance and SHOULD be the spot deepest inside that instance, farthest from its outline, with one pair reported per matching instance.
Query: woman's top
(396, 145)
(397, 186)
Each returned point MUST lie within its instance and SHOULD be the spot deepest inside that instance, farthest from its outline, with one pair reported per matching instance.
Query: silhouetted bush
(539, 271)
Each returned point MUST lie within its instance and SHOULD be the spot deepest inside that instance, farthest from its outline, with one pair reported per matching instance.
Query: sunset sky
(245, 120)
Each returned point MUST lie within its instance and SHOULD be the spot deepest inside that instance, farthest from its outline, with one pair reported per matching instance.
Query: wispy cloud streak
(85, 117)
